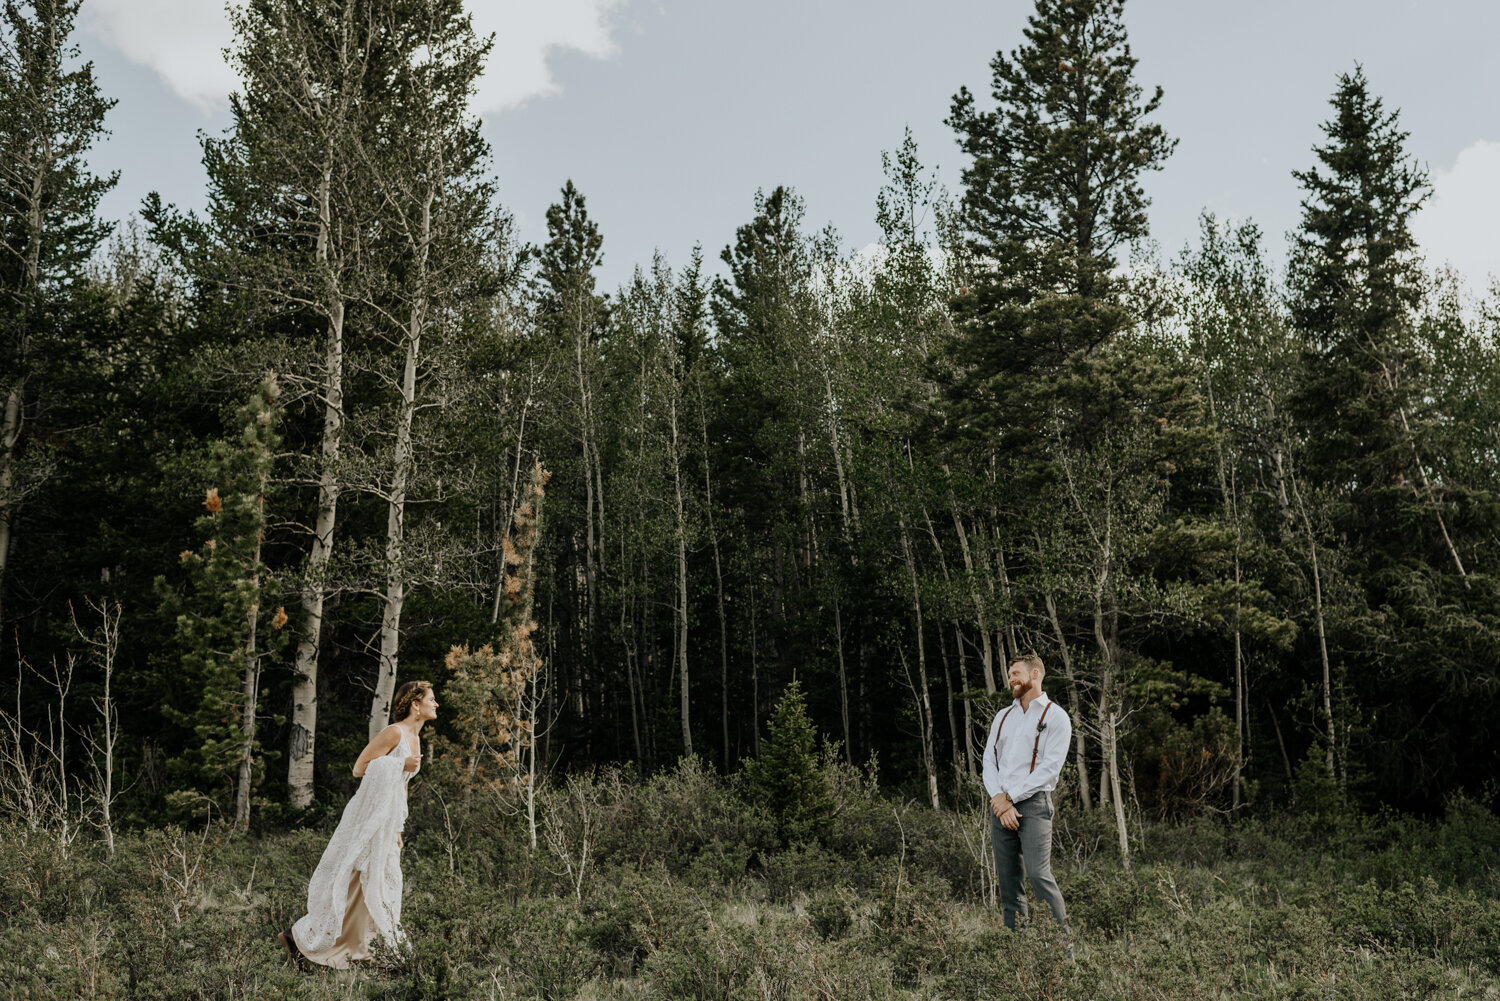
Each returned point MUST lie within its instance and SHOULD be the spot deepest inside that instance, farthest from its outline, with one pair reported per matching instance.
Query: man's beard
(1018, 690)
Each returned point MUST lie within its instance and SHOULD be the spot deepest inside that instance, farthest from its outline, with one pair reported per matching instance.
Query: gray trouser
(1031, 843)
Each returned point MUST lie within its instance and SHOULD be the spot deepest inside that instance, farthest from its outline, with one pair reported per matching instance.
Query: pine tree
(50, 117)
(765, 322)
(573, 317)
(1412, 533)
(1052, 191)
(1356, 277)
(1054, 377)
(787, 776)
(221, 636)
(1059, 161)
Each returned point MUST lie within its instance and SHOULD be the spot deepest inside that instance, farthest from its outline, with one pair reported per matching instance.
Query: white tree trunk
(9, 437)
(395, 532)
(924, 695)
(1317, 569)
(682, 586)
(713, 537)
(1106, 689)
(305, 679)
(986, 652)
(1111, 752)
(1079, 747)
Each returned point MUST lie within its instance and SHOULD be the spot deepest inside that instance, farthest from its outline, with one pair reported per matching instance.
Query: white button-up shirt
(1007, 753)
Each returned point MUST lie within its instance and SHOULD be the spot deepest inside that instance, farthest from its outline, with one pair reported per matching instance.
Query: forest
(784, 518)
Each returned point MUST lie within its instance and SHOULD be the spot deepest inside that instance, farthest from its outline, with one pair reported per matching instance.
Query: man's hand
(1011, 818)
(998, 803)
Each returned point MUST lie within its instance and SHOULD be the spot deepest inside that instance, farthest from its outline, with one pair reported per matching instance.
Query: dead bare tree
(104, 647)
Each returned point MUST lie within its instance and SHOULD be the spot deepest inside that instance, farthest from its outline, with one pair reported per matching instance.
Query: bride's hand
(413, 762)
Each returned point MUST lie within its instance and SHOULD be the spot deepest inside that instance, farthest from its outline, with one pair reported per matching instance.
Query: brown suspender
(997, 734)
(1038, 742)
(1034, 744)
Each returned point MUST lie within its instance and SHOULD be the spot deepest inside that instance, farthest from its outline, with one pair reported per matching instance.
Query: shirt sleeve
(1050, 758)
(991, 771)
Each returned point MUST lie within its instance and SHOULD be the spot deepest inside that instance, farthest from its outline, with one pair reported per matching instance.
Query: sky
(669, 114)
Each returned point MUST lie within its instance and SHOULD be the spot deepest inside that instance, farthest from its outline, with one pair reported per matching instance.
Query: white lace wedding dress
(355, 892)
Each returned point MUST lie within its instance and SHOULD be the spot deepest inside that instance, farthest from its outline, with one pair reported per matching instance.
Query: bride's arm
(385, 741)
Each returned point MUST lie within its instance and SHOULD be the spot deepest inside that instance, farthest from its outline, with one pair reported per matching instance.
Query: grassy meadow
(676, 887)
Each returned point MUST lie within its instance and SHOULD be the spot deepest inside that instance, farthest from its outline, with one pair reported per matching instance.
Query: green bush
(1282, 907)
(829, 915)
(788, 779)
(1106, 899)
(801, 868)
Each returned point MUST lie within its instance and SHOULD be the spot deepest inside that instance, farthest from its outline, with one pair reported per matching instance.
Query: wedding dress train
(355, 892)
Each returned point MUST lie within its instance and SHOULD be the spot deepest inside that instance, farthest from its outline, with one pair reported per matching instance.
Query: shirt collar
(1040, 700)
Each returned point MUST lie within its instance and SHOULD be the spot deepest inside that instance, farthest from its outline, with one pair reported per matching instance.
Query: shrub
(787, 778)
(801, 869)
(828, 914)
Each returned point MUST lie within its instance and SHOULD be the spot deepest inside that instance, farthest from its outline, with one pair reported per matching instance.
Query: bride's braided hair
(405, 696)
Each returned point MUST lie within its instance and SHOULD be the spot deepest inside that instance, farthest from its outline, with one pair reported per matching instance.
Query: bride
(356, 889)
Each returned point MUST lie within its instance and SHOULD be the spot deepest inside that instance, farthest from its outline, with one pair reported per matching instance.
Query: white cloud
(526, 33)
(1459, 222)
(183, 41)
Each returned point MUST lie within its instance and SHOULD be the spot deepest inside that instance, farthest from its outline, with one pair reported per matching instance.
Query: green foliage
(1184, 769)
(223, 634)
(1260, 910)
(1192, 488)
(1314, 790)
(1069, 108)
(568, 259)
(51, 115)
(1409, 520)
(1355, 278)
(787, 778)
(829, 915)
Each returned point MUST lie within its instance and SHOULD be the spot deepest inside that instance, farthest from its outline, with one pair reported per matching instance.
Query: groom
(1025, 753)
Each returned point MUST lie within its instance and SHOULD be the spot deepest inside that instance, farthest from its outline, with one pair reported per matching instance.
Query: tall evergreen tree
(224, 629)
(51, 114)
(1356, 279)
(1059, 161)
(1370, 437)
(1081, 424)
(1051, 192)
(573, 318)
(764, 320)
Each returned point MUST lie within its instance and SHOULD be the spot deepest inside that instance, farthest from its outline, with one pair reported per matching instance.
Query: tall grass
(688, 894)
